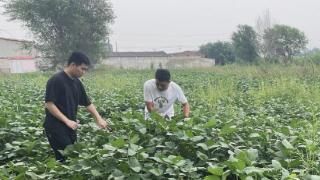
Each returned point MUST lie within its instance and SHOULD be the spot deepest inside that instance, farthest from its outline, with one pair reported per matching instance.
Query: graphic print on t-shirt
(161, 101)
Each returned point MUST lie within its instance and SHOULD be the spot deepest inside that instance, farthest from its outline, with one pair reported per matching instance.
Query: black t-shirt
(67, 94)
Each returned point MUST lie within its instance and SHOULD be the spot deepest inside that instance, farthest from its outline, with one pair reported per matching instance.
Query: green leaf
(131, 152)
(203, 146)
(202, 156)
(254, 135)
(252, 154)
(197, 138)
(313, 177)
(21, 176)
(156, 159)
(134, 177)
(119, 143)
(124, 167)
(109, 147)
(156, 172)
(174, 159)
(189, 133)
(135, 139)
(228, 129)
(20, 164)
(96, 173)
(287, 144)
(51, 163)
(32, 175)
(215, 170)
(143, 130)
(276, 165)
(211, 123)
(249, 178)
(236, 164)
(134, 164)
(144, 155)
(250, 170)
(8, 146)
(133, 149)
(212, 177)
(117, 173)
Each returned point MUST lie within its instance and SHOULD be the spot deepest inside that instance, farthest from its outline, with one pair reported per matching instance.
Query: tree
(222, 52)
(263, 23)
(284, 42)
(62, 26)
(245, 43)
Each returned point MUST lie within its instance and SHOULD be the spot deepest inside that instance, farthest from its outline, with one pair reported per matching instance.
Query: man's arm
(52, 108)
(100, 121)
(182, 98)
(186, 110)
(148, 98)
(150, 106)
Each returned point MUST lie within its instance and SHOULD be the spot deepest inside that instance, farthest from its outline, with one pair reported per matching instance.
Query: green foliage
(309, 57)
(62, 26)
(284, 42)
(221, 52)
(245, 43)
(266, 126)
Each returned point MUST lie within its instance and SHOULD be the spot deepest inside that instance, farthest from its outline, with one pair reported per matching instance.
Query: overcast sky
(176, 25)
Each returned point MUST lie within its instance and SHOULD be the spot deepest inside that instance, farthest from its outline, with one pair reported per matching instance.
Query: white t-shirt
(163, 100)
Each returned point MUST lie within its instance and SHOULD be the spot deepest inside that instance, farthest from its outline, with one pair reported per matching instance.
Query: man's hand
(71, 124)
(150, 106)
(102, 123)
(186, 110)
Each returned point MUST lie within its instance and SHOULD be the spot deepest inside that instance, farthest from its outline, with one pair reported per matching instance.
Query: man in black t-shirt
(64, 93)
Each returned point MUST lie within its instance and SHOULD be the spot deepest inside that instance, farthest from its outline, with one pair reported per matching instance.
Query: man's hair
(163, 75)
(78, 58)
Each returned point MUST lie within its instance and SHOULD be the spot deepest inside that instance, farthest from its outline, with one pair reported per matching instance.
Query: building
(15, 57)
(188, 54)
(190, 59)
(158, 59)
(19, 64)
(137, 60)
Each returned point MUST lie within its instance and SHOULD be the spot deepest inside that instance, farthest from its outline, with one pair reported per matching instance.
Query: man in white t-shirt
(161, 93)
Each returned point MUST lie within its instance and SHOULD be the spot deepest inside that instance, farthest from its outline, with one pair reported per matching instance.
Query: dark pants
(59, 140)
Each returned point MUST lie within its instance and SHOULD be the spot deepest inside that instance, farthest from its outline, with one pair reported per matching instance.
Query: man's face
(162, 85)
(80, 70)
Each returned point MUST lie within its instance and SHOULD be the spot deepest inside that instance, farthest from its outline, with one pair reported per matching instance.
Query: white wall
(23, 66)
(10, 48)
(137, 63)
(4, 66)
(18, 66)
(166, 62)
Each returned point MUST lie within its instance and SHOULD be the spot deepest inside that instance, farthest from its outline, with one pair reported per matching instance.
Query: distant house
(189, 59)
(188, 54)
(15, 58)
(137, 60)
(19, 64)
(159, 59)
(15, 47)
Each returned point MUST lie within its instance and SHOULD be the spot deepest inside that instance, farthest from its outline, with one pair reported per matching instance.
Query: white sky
(176, 25)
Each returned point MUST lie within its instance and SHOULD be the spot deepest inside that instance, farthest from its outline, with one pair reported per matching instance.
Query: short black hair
(79, 58)
(163, 75)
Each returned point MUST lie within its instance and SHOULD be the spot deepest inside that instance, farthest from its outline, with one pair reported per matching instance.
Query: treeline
(266, 43)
